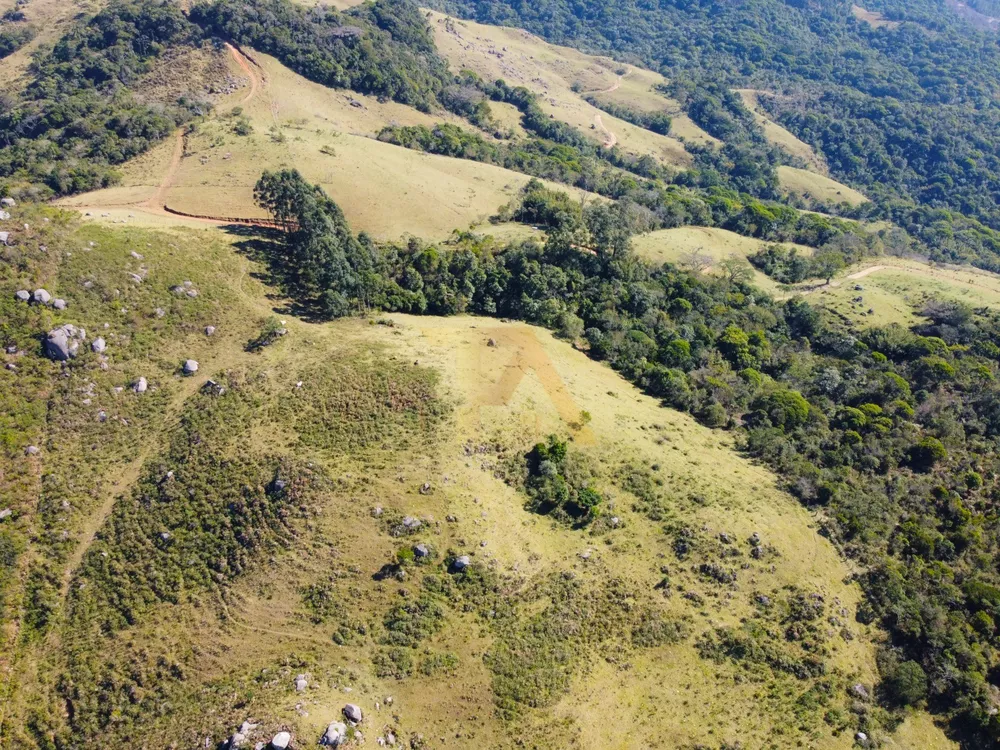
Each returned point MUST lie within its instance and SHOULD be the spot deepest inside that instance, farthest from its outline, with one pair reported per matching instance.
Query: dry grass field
(780, 136)
(328, 135)
(817, 186)
(678, 244)
(894, 288)
(554, 72)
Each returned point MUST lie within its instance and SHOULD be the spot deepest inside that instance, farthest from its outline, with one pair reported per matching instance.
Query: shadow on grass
(264, 246)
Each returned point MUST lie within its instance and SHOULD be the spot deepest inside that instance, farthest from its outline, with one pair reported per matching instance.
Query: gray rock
(353, 713)
(860, 691)
(99, 345)
(140, 385)
(5, 514)
(22, 295)
(41, 297)
(281, 741)
(31, 450)
(64, 342)
(422, 550)
(136, 278)
(136, 255)
(4, 215)
(190, 367)
(301, 683)
(209, 330)
(59, 304)
(8, 202)
(5, 237)
(411, 523)
(238, 740)
(335, 734)
(461, 563)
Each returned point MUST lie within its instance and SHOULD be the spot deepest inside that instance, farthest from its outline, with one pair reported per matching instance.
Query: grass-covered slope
(176, 558)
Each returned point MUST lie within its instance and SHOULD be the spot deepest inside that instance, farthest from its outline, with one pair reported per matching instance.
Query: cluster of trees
(559, 484)
(383, 48)
(13, 36)
(76, 119)
(896, 432)
(657, 122)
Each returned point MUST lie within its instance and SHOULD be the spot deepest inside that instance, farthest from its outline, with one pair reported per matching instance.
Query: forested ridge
(907, 114)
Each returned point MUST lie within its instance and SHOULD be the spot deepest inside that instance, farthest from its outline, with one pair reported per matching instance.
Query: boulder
(31, 450)
(41, 297)
(22, 295)
(4, 215)
(64, 342)
(422, 550)
(8, 202)
(190, 367)
(860, 691)
(59, 303)
(5, 237)
(335, 734)
(140, 385)
(99, 345)
(5, 514)
(461, 563)
(209, 330)
(353, 713)
(301, 683)
(281, 741)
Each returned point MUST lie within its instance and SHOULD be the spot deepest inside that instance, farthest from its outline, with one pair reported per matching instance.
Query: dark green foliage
(76, 119)
(383, 48)
(14, 36)
(559, 484)
(658, 122)
(907, 684)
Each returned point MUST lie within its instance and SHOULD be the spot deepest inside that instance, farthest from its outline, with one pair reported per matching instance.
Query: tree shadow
(264, 246)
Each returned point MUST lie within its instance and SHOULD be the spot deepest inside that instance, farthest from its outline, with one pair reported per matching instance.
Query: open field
(894, 287)
(817, 186)
(327, 135)
(676, 245)
(873, 18)
(377, 412)
(552, 72)
(779, 136)
(51, 19)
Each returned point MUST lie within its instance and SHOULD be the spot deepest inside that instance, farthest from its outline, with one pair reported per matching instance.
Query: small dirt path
(614, 86)
(241, 60)
(865, 272)
(157, 199)
(610, 139)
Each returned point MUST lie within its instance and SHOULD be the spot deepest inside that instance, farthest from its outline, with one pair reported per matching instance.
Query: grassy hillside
(366, 424)
(329, 136)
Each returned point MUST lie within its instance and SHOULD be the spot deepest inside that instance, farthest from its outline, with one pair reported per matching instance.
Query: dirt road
(610, 139)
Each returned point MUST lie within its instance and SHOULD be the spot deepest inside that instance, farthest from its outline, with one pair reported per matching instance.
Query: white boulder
(99, 345)
(64, 342)
(281, 741)
(140, 385)
(190, 367)
(335, 734)
(41, 296)
(353, 713)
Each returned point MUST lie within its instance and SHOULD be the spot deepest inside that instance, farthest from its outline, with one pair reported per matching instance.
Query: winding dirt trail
(610, 139)
(255, 81)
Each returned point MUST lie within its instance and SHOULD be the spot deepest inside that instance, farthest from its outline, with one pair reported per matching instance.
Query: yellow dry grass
(328, 135)
(873, 18)
(894, 287)
(51, 19)
(779, 136)
(552, 72)
(678, 244)
(818, 187)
